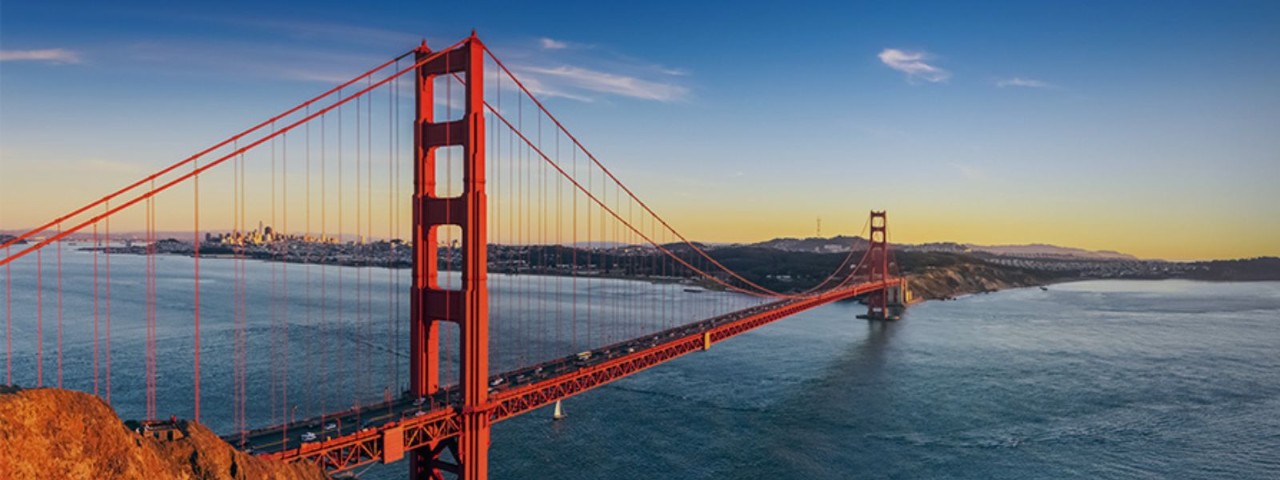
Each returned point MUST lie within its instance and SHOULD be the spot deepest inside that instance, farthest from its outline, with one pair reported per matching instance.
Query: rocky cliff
(51, 433)
(932, 283)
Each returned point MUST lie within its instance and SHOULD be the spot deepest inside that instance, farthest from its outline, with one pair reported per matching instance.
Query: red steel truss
(440, 430)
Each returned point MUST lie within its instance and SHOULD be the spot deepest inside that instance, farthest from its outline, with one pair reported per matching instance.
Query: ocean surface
(1094, 379)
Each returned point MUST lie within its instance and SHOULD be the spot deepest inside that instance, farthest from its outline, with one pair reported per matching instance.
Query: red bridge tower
(430, 304)
(886, 303)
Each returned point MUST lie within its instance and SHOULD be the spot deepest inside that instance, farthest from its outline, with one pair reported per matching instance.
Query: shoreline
(928, 282)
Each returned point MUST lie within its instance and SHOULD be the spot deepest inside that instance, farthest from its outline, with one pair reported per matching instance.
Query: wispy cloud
(912, 64)
(552, 44)
(545, 89)
(1022, 82)
(270, 61)
(559, 68)
(578, 82)
(308, 75)
(969, 171)
(50, 55)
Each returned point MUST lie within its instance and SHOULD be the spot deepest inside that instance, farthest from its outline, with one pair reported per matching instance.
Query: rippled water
(336, 340)
(1104, 379)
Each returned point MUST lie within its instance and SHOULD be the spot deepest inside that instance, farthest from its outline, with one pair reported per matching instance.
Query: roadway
(316, 429)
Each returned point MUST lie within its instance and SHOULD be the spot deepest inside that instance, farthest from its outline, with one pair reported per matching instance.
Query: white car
(307, 436)
(330, 426)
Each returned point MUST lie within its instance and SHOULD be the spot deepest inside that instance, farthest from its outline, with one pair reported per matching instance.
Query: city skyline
(1057, 124)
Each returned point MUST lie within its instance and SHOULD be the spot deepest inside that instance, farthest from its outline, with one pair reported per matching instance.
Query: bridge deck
(383, 432)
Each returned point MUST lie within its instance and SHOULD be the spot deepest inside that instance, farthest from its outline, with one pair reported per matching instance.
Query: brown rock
(52, 433)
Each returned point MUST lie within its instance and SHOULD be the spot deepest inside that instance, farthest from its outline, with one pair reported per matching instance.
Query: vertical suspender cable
(274, 306)
(40, 318)
(391, 379)
(324, 382)
(59, 295)
(96, 246)
(559, 337)
(363, 374)
(368, 225)
(341, 310)
(574, 284)
(399, 232)
(368, 239)
(307, 240)
(107, 259)
(282, 241)
(8, 322)
(151, 306)
(196, 292)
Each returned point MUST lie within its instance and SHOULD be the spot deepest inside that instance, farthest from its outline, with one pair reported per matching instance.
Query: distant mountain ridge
(842, 243)
(1045, 250)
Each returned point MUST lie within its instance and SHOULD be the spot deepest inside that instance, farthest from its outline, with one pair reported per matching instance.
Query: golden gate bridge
(514, 228)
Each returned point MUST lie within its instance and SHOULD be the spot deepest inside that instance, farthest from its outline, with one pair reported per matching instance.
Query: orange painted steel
(430, 304)
(511, 403)
(438, 430)
(452, 434)
(370, 445)
(462, 428)
(878, 255)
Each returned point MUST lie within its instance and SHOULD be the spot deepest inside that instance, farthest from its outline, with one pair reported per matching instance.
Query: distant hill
(842, 243)
(1044, 250)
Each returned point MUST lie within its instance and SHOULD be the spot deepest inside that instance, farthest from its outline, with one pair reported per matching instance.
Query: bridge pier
(895, 298)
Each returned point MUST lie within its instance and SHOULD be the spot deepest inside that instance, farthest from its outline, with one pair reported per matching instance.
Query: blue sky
(1146, 127)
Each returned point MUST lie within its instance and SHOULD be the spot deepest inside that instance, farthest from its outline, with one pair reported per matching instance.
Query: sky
(1144, 127)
